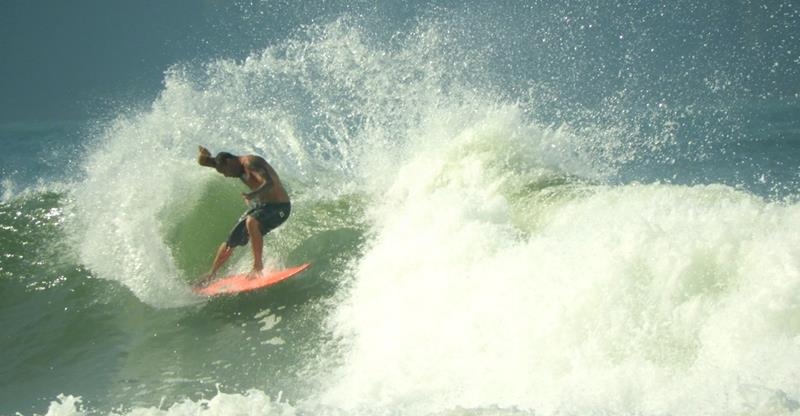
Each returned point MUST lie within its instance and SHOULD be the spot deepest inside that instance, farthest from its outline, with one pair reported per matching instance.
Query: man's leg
(223, 254)
(257, 242)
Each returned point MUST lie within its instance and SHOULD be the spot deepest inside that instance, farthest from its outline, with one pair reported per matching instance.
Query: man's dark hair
(223, 157)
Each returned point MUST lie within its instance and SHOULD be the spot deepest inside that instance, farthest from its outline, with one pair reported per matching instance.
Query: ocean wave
(475, 256)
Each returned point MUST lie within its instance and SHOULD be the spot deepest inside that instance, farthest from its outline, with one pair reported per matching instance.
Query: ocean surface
(515, 208)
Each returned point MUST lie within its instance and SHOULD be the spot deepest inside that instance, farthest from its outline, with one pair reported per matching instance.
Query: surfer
(268, 203)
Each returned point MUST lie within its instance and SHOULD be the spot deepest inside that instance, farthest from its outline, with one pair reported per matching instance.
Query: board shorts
(270, 216)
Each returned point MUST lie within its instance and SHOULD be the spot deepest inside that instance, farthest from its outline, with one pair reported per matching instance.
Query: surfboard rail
(242, 282)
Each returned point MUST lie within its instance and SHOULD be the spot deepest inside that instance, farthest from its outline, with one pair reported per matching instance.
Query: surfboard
(241, 282)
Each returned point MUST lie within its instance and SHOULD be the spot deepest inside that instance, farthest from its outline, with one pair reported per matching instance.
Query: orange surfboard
(238, 283)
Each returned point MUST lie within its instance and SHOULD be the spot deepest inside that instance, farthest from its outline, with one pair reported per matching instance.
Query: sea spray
(363, 102)
(634, 299)
(491, 260)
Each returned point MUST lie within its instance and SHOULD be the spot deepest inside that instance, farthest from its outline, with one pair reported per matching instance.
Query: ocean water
(542, 208)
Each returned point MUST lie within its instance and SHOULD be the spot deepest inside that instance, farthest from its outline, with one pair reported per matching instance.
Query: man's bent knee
(252, 224)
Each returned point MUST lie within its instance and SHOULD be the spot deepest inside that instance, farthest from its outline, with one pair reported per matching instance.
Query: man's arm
(260, 171)
(204, 157)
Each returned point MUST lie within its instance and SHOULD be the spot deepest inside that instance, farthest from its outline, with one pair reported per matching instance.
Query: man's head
(224, 162)
(228, 165)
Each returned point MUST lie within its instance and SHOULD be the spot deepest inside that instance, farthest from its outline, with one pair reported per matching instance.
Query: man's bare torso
(254, 169)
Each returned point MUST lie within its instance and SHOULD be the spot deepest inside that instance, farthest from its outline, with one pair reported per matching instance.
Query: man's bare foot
(205, 280)
(255, 273)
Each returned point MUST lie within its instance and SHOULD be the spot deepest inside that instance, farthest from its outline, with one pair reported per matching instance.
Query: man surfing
(268, 203)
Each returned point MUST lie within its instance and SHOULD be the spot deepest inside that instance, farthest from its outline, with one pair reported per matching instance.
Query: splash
(488, 285)
(502, 268)
(329, 110)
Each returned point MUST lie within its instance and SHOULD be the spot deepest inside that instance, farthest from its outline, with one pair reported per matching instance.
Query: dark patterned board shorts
(270, 216)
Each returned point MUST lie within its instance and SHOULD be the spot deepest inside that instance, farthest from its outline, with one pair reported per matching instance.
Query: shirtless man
(268, 201)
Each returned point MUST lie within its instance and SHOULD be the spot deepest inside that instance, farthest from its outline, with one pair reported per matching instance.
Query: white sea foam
(637, 299)
(252, 402)
(499, 272)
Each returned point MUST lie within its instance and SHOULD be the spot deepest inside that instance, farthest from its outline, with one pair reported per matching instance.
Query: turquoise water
(566, 209)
